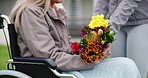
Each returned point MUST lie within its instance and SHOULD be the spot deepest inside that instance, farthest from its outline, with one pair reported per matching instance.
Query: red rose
(75, 46)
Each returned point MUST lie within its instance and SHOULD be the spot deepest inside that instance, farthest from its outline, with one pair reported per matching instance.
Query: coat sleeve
(41, 44)
(101, 7)
(122, 13)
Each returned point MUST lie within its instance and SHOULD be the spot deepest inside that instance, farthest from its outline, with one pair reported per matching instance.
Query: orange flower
(84, 56)
(92, 36)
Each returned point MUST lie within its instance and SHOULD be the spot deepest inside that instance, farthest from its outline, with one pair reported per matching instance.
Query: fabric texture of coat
(48, 37)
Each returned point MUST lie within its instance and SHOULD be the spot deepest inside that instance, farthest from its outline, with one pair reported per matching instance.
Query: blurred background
(79, 14)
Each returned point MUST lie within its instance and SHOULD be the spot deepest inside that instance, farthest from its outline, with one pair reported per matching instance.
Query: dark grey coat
(123, 12)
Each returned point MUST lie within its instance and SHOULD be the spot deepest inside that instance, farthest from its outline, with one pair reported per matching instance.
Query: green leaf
(83, 42)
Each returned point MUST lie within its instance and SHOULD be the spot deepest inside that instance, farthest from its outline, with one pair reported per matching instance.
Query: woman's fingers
(97, 61)
(107, 53)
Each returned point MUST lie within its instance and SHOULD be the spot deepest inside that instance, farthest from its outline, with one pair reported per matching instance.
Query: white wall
(84, 10)
(5, 8)
(94, 4)
(2, 37)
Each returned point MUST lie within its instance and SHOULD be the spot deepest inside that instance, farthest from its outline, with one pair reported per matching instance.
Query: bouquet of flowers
(96, 39)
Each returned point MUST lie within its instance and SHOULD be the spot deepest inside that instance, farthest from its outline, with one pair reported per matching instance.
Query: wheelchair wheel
(12, 74)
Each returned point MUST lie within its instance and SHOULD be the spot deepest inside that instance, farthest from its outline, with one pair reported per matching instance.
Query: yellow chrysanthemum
(98, 21)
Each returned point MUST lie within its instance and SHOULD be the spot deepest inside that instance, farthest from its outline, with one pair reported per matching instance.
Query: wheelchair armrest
(46, 61)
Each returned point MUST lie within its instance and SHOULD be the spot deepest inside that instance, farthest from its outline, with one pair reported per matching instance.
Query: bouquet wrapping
(96, 39)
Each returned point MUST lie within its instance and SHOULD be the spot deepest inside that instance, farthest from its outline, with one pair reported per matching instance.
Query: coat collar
(61, 14)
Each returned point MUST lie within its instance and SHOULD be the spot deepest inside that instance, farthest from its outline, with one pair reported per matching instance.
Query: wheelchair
(26, 67)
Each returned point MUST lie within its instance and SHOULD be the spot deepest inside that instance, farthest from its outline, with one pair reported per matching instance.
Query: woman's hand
(107, 53)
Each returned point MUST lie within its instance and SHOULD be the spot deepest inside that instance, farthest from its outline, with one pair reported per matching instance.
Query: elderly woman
(42, 32)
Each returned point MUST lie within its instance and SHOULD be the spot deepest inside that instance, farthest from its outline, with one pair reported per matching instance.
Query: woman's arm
(122, 13)
(101, 7)
(40, 42)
